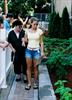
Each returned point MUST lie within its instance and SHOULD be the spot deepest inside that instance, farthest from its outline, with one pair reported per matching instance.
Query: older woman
(15, 39)
(34, 50)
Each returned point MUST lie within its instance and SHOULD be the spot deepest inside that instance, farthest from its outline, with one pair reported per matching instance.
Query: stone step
(46, 91)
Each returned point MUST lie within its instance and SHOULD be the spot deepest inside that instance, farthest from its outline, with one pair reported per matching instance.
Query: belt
(33, 48)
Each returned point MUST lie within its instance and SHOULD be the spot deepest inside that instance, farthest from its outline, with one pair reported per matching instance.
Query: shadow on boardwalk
(16, 90)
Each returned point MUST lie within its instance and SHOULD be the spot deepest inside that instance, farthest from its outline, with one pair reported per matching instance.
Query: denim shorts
(33, 54)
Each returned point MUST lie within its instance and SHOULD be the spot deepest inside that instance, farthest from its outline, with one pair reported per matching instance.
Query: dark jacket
(16, 42)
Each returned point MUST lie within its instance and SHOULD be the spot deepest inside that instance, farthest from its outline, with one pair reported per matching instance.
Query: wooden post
(5, 6)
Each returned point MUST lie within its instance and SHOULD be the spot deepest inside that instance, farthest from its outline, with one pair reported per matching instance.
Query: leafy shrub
(59, 55)
(64, 92)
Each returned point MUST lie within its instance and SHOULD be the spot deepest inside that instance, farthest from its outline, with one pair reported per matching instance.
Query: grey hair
(34, 19)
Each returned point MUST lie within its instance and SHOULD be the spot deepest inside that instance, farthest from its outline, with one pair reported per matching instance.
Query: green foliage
(2, 4)
(59, 53)
(66, 96)
(50, 27)
(64, 92)
(54, 25)
(40, 3)
(59, 27)
(40, 8)
(19, 6)
(31, 3)
(60, 83)
(24, 6)
(65, 24)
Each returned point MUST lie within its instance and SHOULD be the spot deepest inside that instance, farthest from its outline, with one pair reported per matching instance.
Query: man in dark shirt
(15, 39)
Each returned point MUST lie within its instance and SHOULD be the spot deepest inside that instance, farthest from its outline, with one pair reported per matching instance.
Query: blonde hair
(34, 19)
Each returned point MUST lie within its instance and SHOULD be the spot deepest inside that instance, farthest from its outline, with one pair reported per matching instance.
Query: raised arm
(23, 22)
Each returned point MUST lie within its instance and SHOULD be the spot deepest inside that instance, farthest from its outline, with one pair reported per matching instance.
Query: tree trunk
(5, 6)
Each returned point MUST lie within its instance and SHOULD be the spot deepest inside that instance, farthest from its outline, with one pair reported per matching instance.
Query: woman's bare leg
(35, 70)
(29, 64)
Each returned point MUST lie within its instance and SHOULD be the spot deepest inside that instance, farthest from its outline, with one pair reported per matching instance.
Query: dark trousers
(19, 63)
(12, 56)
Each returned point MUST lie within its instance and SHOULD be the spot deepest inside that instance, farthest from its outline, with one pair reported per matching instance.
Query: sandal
(35, 86)
(18, 79)
(28, 87)
(25, 81)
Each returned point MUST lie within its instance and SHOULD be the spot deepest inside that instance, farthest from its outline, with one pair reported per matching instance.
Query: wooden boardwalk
(18, 92)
